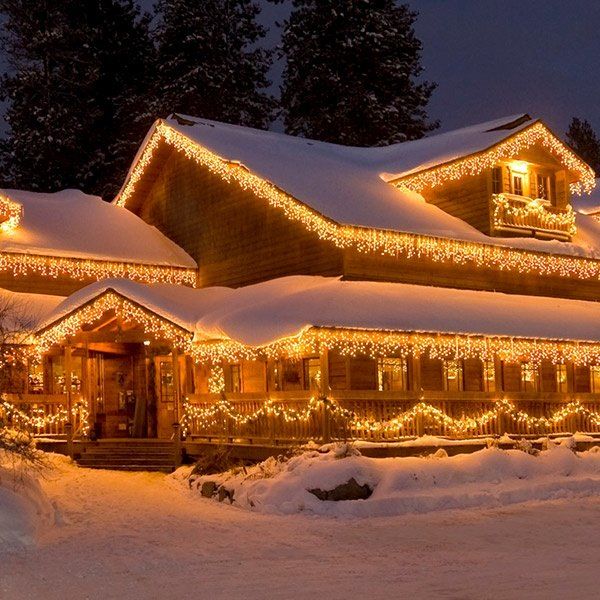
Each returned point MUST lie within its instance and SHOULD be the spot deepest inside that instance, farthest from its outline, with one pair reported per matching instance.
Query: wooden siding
(467, 199)
(236, 238)
(363, 373)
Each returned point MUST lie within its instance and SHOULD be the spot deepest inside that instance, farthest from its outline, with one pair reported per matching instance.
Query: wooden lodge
(251, 286)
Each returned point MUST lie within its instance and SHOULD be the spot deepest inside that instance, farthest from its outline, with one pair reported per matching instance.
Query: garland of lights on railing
(476, 164)
(81, 269)
(153, 325)
(208, 417)
(38, 419)
(12, 212)
(517, 216)
(355, 342)
(366, 240)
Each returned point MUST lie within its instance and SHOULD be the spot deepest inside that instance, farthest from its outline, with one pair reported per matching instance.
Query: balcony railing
(518, 214)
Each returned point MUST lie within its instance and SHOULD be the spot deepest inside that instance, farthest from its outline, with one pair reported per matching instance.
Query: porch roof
(263, 313)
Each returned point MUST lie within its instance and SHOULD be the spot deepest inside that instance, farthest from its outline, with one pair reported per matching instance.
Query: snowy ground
(122, 535)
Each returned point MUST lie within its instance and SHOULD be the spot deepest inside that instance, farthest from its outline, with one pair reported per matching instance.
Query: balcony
(521, 216)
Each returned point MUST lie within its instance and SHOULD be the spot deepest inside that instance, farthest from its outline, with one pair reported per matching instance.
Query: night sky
(492, 58)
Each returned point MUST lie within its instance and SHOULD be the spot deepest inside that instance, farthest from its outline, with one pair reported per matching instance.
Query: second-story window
(489, 376)
(234, 380)
(518, 185)
(595, 379)
(543, 187)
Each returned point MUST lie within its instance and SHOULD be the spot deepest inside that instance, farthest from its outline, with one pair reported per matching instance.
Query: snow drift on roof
(262, 313)
(73, 224)
(345, 183)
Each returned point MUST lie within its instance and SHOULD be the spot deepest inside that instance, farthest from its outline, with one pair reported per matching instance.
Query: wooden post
(68, 381)
(324, 394)
(176, 383)
(69, 432)
(176, 445)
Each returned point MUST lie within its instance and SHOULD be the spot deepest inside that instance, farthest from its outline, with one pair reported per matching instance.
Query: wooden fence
(377, 417)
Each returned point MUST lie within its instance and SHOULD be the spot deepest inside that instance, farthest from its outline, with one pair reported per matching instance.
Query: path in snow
(124, 535)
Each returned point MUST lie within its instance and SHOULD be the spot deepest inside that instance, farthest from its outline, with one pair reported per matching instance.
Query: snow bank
(24, 506)
(485, 479)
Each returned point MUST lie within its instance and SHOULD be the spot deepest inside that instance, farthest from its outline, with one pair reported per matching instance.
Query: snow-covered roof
(350, 185)
(262, 313)
(76, 225)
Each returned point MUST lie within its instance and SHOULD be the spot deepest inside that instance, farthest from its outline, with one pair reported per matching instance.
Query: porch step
(128, 455)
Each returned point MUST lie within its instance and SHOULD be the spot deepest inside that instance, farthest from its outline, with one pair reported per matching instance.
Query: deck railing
(519, 213)
(386, 416)
(42, 414)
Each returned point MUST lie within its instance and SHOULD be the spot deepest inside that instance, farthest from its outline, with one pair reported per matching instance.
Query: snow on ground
(144, 535)
(484, 479)
(24, 506)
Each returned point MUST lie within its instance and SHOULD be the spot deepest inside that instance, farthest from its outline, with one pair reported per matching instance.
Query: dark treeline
(85, 80)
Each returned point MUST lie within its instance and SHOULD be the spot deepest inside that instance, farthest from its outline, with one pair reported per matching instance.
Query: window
(392, 374)
(595, 379)
(235, 379)
(453, 373)
(529, 377)
(543, 187)
(35, 383)
(518, 185)
(311, 367)
(489, 376)
(497, 180)
(561, 379)
(167, 387)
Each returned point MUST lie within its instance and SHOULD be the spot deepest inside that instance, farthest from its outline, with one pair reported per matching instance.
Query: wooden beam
(176, 383)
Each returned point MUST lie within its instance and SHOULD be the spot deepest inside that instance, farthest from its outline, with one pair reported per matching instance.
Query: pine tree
(77, 90)
(350, 74)
(211, 65)
(582, 138)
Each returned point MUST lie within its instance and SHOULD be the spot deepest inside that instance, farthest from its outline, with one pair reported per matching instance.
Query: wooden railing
(41, 414)
(519, 213)
(244, 418)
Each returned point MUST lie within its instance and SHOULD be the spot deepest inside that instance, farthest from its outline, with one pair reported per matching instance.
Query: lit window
(312, 373)
(518, 185)
(167, 388)
(489, 376)
(235, 379)
(35, 378)
(453, 375)
(392, 374)
(561, 379)
(529, 377)
(543, 187)
(595, 379)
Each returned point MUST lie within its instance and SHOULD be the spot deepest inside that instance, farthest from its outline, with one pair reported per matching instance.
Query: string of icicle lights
(375, 344)
(382, 242)
(197, 418)
(153, 325)
(82, 269)
(510, 148)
